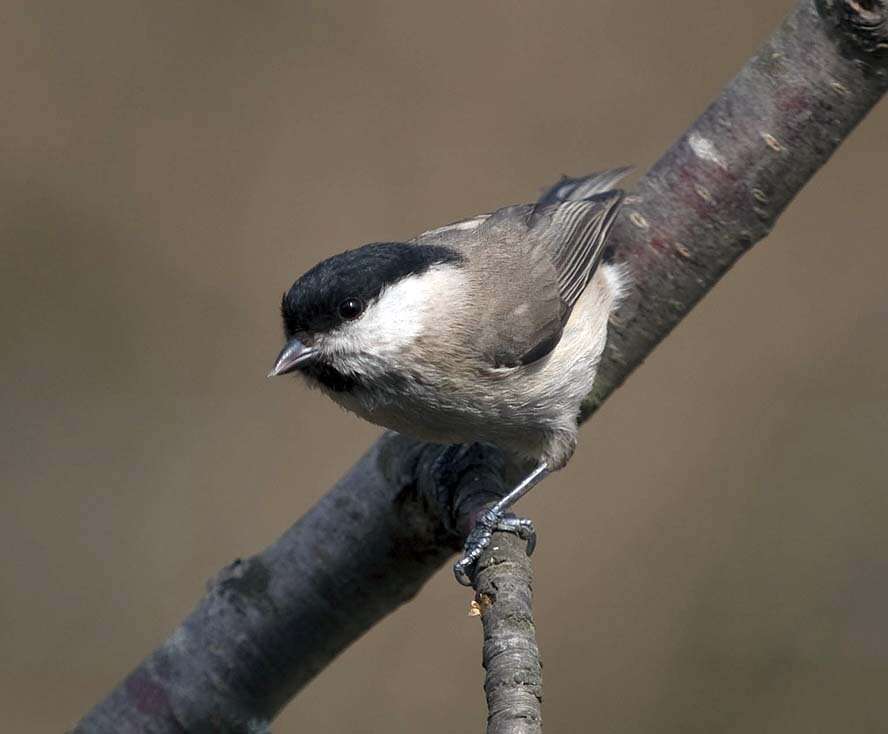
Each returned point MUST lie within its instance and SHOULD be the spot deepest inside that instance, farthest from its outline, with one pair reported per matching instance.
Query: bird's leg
(495, 518)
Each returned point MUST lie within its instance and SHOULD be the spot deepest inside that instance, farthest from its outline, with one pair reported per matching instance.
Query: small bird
(489, 329)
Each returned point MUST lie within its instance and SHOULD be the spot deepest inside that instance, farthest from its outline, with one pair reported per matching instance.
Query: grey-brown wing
(575, 232)
(516, 313)
(560, 248)
(524, 316)
(575, 216)
(530, 264)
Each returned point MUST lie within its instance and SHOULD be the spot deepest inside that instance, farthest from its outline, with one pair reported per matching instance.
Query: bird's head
(359, 314)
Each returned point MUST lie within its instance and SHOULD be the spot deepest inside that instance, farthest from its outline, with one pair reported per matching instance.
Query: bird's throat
(330, 377)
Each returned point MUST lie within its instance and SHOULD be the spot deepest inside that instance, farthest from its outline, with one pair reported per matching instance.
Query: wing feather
(543, 256)
(578, 231)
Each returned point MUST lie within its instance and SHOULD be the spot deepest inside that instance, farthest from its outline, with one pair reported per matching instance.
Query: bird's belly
(485, 415)
(418, 416)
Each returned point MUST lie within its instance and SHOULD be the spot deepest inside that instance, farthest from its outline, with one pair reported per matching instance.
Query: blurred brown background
(169, 169)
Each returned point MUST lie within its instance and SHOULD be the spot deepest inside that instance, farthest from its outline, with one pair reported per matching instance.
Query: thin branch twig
(270, 623)
(513, 683)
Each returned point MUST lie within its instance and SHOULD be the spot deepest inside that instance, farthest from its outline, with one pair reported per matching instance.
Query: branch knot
(862, 25)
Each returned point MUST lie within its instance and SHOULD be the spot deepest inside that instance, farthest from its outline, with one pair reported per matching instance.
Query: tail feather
(584, 187)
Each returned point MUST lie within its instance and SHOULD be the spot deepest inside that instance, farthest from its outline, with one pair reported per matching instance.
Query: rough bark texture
(513, 683)
(268, 624)
(720, 188)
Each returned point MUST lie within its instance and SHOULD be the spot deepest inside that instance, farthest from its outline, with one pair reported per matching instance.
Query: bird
(489, 329)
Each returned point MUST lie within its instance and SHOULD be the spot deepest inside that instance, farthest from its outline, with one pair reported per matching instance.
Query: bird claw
(480, 536)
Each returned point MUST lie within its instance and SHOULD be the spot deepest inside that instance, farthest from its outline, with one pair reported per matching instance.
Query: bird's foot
(479, 538)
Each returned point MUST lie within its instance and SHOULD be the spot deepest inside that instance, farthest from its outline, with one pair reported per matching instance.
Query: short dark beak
(292, 356)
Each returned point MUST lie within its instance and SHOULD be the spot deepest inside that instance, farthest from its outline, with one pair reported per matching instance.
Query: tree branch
(513, 684)
(268, 624)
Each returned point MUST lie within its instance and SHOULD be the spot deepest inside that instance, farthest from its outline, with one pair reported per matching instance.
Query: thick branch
(720, 188)
(270, 623)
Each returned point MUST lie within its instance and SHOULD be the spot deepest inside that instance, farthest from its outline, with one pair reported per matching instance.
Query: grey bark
(513, 683)
(269, 623)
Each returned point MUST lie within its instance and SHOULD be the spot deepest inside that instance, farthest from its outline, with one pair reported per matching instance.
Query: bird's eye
(351, 308)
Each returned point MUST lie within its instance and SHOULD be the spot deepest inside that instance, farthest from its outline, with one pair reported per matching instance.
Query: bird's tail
(584, 187)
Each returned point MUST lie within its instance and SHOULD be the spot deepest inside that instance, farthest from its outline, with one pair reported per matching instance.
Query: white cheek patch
(400, 315)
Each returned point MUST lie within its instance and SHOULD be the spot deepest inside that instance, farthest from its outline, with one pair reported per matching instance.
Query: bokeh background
(169, 168)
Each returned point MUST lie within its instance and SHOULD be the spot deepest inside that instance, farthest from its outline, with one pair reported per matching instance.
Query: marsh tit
(489, 329)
